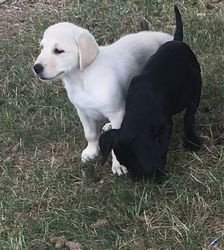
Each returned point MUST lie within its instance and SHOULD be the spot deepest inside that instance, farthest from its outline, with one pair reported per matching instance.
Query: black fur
(169, 83)
(178, 36)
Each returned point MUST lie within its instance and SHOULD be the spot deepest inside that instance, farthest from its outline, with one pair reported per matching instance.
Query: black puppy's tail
(178, 36)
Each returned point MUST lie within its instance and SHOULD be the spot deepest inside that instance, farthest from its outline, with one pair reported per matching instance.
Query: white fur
(96, 78)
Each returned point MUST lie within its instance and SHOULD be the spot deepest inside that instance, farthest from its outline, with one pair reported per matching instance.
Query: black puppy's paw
(192, 144)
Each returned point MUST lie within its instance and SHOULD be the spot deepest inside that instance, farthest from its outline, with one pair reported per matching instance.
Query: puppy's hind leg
(191, 141)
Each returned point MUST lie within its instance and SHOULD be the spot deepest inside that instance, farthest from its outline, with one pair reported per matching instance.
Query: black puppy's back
(173, 73)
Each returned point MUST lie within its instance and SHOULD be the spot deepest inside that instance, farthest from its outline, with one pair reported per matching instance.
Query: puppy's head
(148, 159)
(64, 48)
(144, 155)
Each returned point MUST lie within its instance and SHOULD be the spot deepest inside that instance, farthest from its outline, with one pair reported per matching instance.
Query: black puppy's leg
(191, 141)
(164, 142)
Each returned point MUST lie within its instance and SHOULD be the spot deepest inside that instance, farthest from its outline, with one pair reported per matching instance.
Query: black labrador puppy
(170, 83)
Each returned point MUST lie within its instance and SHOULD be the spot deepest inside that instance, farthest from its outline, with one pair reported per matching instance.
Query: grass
(45, 191)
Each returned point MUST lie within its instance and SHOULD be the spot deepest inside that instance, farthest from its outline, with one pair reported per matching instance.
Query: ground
(48, 199)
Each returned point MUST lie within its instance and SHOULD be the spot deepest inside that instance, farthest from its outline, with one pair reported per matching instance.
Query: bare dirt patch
(17, 17)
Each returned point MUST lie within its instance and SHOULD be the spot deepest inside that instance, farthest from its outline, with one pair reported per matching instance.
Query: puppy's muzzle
(38, 68)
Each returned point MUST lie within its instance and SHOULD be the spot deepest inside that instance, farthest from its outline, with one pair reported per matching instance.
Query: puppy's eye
(58, 51)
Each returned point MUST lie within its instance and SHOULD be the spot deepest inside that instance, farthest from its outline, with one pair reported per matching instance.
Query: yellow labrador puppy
(96, 77)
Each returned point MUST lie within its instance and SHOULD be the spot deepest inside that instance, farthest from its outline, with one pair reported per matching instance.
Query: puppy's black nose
(38, 68)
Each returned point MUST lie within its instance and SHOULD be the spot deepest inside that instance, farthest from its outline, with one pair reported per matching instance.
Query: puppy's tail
(178, 36)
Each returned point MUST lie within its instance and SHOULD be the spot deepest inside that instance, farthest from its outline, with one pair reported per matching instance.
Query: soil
(17, 17)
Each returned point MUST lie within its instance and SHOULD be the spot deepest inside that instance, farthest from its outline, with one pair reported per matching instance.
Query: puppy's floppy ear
(147, 153)
(88, 49)
(106, 143)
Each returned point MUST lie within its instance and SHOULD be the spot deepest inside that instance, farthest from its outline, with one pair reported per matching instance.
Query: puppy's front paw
(89, 153)
(107, 127)
(119, 169)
